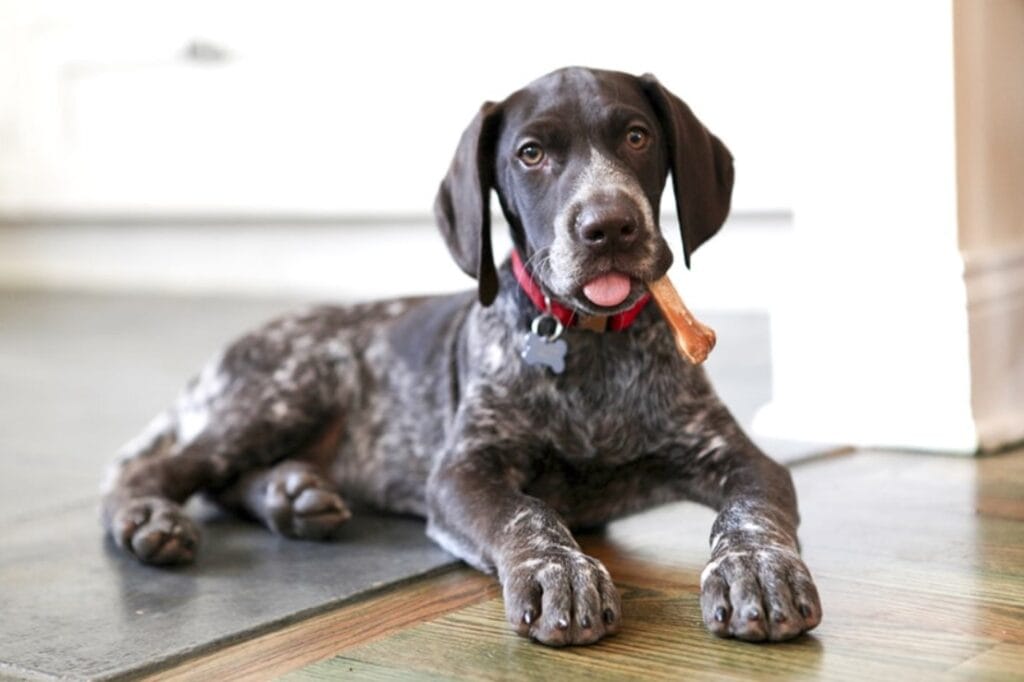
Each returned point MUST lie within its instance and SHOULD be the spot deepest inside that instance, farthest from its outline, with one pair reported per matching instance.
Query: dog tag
(542, 345)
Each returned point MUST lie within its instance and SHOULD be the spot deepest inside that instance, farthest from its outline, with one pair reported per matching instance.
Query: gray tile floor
(80, 374)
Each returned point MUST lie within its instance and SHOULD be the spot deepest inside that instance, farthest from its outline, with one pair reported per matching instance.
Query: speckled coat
(426, 405)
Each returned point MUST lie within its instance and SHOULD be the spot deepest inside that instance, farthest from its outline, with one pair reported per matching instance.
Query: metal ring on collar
(535, 327)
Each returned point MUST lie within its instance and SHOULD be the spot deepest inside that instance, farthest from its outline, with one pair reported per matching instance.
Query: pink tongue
(608, 290)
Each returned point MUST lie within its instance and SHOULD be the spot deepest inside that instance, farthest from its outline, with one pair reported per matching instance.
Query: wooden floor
(919, 560)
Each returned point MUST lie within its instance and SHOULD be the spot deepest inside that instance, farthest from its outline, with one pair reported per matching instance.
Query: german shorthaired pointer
(551, 398)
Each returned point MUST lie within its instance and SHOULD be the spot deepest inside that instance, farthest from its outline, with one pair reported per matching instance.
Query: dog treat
(693, 338)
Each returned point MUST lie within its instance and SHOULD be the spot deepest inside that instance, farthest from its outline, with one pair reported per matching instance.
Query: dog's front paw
(155, 531)
(757, 593)
(561, 598)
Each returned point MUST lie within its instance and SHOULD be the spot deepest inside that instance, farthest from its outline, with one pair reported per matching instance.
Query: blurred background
(292, 150)
(295, 148)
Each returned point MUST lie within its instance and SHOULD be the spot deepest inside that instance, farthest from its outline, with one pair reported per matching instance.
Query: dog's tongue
(608, 290)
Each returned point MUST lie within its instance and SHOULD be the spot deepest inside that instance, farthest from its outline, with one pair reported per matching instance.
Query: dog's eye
(531, 154)
(637, 137)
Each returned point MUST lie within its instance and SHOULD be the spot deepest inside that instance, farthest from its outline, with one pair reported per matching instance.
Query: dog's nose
(604, 226)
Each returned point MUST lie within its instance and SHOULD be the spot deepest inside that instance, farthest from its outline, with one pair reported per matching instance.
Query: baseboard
(326, 259)
(294, 260)
(994, 275)
(994, 281)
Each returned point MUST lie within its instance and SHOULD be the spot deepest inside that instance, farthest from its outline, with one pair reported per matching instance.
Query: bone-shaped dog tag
(543, 347)
(540, 351)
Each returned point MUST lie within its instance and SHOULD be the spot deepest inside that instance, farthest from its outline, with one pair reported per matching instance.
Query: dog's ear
(702, 171)
(463, 206)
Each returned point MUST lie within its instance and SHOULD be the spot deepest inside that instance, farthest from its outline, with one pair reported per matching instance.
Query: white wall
(350, 108)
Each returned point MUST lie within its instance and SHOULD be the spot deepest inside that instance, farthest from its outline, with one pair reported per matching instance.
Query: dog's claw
(768, 592)
(555, 598)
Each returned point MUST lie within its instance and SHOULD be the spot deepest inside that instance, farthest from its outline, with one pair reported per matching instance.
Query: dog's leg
(756, 586)
(292, 498)
(260, 402)
(553, 592)
(143, 521)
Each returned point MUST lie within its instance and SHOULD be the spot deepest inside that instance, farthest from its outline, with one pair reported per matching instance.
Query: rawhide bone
(693, 338)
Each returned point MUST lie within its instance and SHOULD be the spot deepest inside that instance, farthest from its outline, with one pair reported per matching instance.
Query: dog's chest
(619, 398)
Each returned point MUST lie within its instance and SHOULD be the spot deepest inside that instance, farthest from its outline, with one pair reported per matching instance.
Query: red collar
(567, 316)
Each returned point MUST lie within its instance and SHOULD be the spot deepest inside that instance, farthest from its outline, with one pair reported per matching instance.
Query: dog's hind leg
(140, 507)
(264, 400)
(292, 498)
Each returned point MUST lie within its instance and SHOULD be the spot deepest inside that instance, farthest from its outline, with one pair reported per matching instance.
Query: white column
(870, 338)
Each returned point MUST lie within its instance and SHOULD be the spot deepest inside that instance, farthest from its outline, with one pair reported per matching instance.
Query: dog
(550, 398)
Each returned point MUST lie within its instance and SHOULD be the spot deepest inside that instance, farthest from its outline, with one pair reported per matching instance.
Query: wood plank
(270, 655)
(664, 639)
(921, 575)
(1001, 662)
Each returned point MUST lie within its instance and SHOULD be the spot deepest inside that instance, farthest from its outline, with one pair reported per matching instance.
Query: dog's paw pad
(561, 598)
(156, 531)
(759, 594)
(302, 505)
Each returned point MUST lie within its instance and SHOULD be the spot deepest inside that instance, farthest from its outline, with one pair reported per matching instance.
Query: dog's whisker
(538, 258)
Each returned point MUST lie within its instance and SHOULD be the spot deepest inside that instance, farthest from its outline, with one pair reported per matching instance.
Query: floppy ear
(702, 172)
(462, 207)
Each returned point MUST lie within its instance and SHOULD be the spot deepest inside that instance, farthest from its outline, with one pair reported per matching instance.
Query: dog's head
(579, 160)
